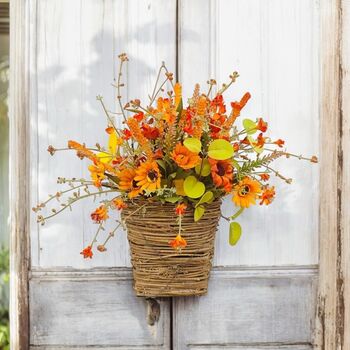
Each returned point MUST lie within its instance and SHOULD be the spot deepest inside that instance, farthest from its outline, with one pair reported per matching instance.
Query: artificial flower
(180, 209)
(279, 143)
(246, 192)
(184, 157)
(148, 176)
(222, 173)
(127, 182)
(178, 243)
(119, 204)
(100, 214)
(87, 252)
(267, 195)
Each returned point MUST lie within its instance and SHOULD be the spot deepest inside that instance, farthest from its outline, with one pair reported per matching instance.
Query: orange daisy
(178, 243)
(184, 158)
(127, 182)
(246, 192)
(148, 176)
(222, 173)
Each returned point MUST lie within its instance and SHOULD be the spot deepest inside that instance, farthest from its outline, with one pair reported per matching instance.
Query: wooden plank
(19, 166)
(330, 288)
(244, 308)
(344, 305)
(79, 309)
(273, 44)
(71, 66)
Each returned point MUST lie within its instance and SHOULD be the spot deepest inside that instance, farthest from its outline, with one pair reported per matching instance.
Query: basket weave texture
(159, 270)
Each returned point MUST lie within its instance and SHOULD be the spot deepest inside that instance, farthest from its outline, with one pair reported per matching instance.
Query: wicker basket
(158, 270)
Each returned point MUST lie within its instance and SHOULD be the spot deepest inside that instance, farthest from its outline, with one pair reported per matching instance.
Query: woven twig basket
(158, 270)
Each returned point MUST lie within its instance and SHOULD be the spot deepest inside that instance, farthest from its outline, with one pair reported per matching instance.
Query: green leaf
(161, 163)
(235, 233)
(173, 199)
(206, 198)
(255, 148)
(203, 168)
(220, 150)
(198, 212)
(249, 126)
(193, 188)
(192, 144)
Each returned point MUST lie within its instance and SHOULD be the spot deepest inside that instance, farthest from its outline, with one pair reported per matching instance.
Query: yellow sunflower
(246, 192)
(148, 176)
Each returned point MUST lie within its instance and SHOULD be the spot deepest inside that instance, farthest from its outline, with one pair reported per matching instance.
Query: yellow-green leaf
(198, 212)
(235, 233)
(249, 126)
(206, 198)
(255, 148)
(193, 188)
(192, 144)
(203, 168)
(220, 150)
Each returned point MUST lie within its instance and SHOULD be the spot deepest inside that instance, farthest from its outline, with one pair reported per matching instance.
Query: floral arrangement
(187, 154)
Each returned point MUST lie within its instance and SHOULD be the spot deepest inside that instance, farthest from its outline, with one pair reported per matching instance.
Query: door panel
(74, 47)
(263, 293)
(273, 45)
(248, 307)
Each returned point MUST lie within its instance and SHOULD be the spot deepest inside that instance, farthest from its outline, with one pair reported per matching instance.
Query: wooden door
(262, 293)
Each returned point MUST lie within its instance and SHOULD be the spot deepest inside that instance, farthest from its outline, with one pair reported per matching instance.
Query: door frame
(333, 312)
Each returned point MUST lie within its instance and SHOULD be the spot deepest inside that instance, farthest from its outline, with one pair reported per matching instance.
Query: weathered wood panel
(93, 308)
(273, 44)
(74, 58)
(249, 309)
(19, 170)
(345, 188)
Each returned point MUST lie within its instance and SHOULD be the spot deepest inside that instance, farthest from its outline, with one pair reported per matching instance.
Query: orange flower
(97, 173)
(100, 214)
(82, 151)
(87, 252)
(222, 173)
(178, 243)
(279, 143)
(119, 204)
(148, 176)
(109, 130)
(139, 116)
(180, 209)
(178, 93)
(139, 137)
(166, 110)
(267, 196)
(260, 141)
(149, 132)
(262, 126)
(126, 134)
(127, 182)
(184, 158)
(236, 109)
(264, 177)
(246, 192)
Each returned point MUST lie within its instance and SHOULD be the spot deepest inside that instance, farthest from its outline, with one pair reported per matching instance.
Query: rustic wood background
(263, 293)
